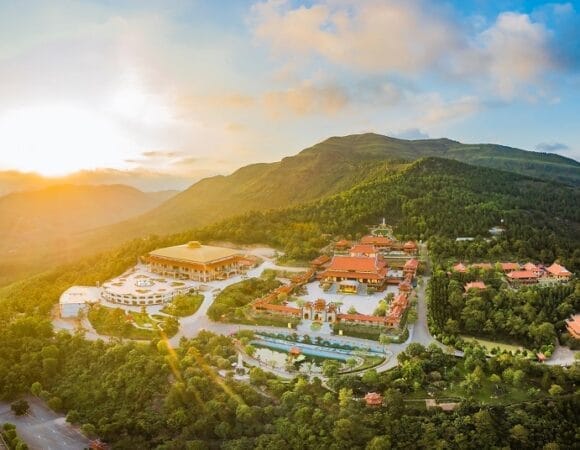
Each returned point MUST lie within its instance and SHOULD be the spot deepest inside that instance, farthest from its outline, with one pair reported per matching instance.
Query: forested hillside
(432, 199)
(326, 168)
(149, 397)
(137, 396)
(435, 199)
(39, 224)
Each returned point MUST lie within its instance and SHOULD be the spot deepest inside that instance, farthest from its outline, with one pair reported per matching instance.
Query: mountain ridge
(46, 220)
(324, 169)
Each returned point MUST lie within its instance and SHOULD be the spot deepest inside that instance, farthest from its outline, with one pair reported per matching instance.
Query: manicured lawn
(489, 345)
(184, 305)
(229, 305)
(116, 322)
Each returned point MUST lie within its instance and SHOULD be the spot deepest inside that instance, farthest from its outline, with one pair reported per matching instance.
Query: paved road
(43, 429)
(418, 332)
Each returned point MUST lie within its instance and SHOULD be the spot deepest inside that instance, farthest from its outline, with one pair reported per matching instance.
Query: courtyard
(363, 303)
(139, 287)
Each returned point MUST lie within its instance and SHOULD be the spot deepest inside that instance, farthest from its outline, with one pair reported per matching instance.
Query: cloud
(412, 38)
(187, 161)
(162, 154)
(445, 111)
(411, 134)
(371, 36)
(552, 147)
(306, 99)
(515, 50)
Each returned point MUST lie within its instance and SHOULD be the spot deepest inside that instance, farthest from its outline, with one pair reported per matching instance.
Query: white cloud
(445, 111)
(371, 36)
(410, 38)
(515, 51)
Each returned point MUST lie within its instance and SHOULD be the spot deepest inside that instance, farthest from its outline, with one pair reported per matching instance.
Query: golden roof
(195, 252)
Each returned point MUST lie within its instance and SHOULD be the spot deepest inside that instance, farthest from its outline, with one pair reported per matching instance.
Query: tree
(555, 390)
(20, 407)
(36, 388)
(379, 443)
(330, 368)
(519, 433)
(344, 397)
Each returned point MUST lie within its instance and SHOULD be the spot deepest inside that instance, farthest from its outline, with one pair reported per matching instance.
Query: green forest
(530, 316)
(431, 199)
(149, 396)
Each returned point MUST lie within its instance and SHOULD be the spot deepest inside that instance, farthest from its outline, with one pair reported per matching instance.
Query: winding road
(418, 332)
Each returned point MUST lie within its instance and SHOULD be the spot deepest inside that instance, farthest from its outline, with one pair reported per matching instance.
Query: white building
(75, 298)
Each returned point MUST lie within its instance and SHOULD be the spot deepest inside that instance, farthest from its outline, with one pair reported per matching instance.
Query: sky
(179, 90)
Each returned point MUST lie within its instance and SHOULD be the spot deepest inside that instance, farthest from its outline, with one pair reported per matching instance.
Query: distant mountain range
(329, 167)
(147, 181)
(46, 222)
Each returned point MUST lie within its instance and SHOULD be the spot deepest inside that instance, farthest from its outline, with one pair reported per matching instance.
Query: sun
(58, 139)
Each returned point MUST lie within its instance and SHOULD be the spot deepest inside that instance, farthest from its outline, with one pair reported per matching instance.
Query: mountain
(324, 169)
(433, 198)
(39, 223)
(144, 180)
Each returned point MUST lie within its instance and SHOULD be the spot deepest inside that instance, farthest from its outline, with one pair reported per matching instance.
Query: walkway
(418, 332)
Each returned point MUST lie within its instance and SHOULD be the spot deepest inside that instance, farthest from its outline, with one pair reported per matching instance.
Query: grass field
(489, 345)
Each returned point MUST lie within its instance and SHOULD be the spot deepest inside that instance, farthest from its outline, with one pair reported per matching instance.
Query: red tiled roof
(522, 275)
(373, 398)
(361, 317)
(509, 266)
(353, 263)
(475, 285)
(558, 270)
(363, 248)
(409, 245)
(412, 264)
(459, 267)
(405, 286)
(573, 325)
(376, 240)
(531, 267)
(342, 243)
(322, 259)
(279, 308)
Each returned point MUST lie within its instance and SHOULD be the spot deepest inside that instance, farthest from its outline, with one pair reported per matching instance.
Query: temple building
(522, 277)
(558, 272)
(410, 247)
(410, 267)
(573, 326)
(356, 269)
(76, 298)
(363, 250)
(475, 285)
(508, 267)
(459, 267)
(379, 242)
(194, 261)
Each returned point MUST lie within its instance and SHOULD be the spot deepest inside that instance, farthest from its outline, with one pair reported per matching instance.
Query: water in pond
(279, 360)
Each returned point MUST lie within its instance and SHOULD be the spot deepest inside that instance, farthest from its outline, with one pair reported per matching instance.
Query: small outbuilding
(75, 298)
